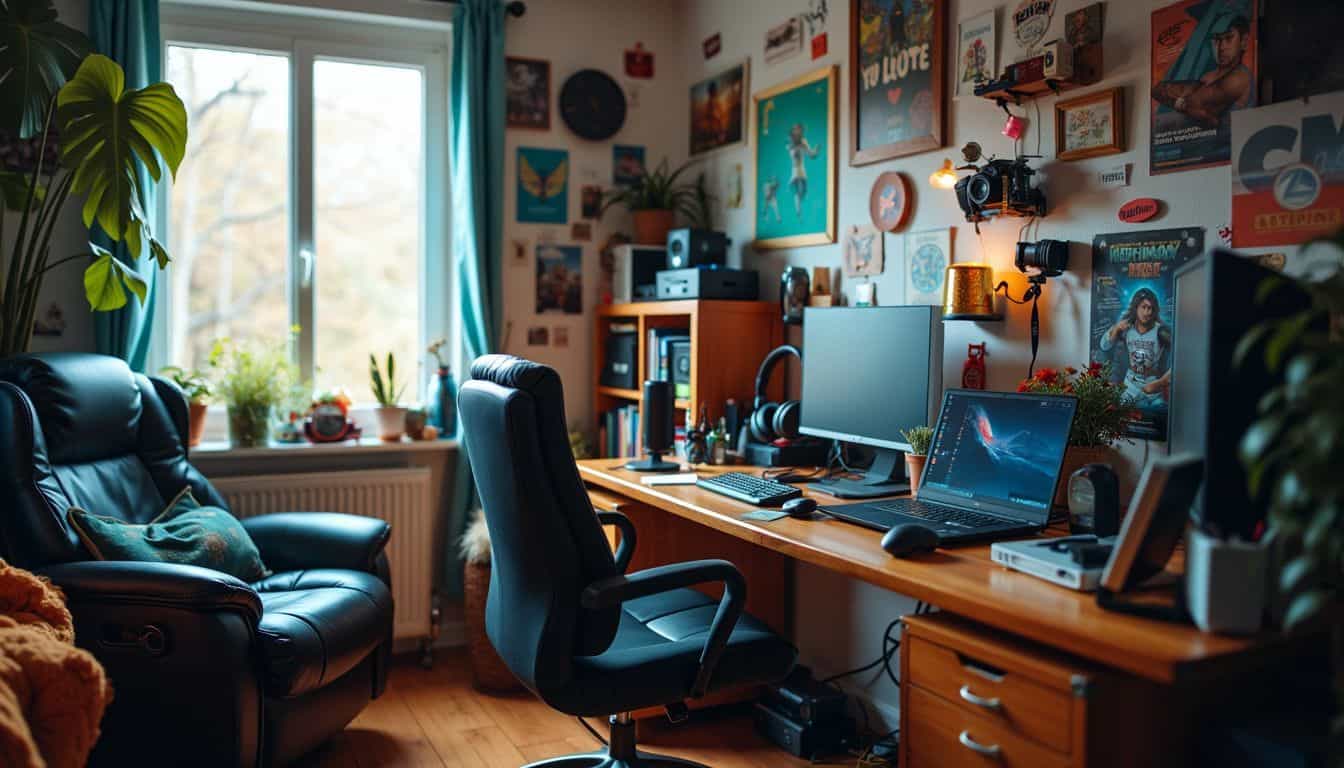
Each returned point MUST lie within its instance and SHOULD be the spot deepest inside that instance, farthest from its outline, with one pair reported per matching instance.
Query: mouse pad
(764, 515)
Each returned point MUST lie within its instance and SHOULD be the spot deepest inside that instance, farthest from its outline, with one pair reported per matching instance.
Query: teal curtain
(127, 31)
(476, 98)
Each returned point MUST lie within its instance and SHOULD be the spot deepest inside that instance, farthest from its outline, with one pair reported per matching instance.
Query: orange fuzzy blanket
(52, 694)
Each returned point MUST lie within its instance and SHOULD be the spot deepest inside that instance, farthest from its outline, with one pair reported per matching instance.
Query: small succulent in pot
(391, 416)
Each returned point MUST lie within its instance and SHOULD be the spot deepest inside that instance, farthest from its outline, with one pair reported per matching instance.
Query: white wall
(840, 621)
(575, 35)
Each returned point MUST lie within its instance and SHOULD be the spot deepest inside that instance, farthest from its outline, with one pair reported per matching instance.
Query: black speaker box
(696, 247)
(800, 739)
(621, 368)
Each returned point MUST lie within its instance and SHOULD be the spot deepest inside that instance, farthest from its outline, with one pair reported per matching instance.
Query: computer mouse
(800, 507)
(909, 539)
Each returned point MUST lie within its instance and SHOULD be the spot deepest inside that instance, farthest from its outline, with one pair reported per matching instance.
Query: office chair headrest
(510, 371)
(89, 406)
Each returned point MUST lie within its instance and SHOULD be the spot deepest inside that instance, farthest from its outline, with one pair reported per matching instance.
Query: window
(311, 196)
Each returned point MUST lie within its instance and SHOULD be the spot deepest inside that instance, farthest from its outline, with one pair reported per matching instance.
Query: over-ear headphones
(770, 421)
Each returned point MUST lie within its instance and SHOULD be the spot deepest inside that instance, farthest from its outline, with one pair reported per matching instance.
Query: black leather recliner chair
(577, 630)
(206, 670)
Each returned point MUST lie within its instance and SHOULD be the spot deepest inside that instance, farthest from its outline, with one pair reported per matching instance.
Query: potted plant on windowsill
(196, 387)
(919, 439)
(1099, 421)
(391, 416)
(655, 199)
(71, 127)
(252, 379)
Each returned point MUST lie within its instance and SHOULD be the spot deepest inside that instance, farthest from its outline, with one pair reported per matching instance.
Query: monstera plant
(69, 127)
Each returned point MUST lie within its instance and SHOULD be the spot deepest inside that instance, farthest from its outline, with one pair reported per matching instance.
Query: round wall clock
(889, 202)
(592, 104)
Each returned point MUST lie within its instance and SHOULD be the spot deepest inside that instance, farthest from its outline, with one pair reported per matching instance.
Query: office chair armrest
(665, 578)
(626, 549)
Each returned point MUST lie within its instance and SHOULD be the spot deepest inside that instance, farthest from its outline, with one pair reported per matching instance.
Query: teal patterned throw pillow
(185, 532)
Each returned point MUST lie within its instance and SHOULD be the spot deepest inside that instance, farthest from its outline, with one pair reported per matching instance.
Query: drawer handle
(979, 701)
(990, 750)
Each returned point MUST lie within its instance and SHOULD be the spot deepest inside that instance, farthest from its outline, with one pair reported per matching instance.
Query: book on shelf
(657, 360)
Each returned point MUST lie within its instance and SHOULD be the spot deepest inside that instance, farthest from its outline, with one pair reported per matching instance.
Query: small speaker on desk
(658, 428)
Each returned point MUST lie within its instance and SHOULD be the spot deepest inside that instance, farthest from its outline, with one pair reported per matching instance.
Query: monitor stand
(886, 477)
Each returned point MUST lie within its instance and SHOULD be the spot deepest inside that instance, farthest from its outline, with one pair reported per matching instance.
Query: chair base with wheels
(620, 753)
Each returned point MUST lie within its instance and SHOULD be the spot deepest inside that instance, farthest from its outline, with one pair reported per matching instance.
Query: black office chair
(206, 670)
(584, 636)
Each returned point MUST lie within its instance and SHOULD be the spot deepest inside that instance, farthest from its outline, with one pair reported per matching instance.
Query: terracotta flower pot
(196, 422)
(391, 422)
(1074, 458)
(652, 226)
(914, 467)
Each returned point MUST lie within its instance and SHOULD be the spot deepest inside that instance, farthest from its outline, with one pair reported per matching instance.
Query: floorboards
(435, 719)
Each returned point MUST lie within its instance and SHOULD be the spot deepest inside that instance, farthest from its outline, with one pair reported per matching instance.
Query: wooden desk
(1064, 627)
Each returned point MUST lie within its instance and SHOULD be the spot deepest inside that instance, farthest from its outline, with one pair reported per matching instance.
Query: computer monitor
(1213, 399)
(868, 373)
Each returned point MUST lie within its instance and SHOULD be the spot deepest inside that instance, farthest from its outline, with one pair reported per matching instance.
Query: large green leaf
(106, 281)
(37, 55)
(105, 129)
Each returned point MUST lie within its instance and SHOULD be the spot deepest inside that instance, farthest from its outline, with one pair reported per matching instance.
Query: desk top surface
(962, 580)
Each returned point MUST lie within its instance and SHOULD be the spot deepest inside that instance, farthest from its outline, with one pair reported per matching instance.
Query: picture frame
(898, 80)
(977, 55)
(527, 98)
(708, 132)
(783, 40)
(796, 136)
(1090, 125)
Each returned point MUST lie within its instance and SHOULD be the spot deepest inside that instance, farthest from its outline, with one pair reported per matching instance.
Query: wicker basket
(488, 672)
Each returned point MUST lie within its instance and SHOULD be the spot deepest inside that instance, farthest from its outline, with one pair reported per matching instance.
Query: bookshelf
(728, 341)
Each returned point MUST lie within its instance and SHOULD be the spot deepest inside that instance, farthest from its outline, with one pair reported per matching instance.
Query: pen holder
(1224, 583)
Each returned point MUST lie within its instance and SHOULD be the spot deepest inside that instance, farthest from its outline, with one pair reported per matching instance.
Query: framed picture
(927, 255)
(527, 94)
(863, 250)
(1090, 126)
(719, 110)
(543, 185)
(783, 40)
(560, 279)
(976, 60)
(897, 50)
(795, 125)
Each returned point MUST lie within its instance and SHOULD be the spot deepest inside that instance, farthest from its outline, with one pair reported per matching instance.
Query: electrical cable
(592, 730)
(883, 660)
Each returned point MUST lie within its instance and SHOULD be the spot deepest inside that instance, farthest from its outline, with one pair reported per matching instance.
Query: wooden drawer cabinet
(975, 696)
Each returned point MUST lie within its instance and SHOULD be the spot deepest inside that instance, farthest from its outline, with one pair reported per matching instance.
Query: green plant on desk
(1294, 453)
(919, 439)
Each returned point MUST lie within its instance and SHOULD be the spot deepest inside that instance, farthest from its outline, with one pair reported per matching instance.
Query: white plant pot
(391, 422)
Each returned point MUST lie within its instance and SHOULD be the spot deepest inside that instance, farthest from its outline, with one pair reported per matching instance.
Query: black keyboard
(882, 515)
(749, 488)
(938, 513)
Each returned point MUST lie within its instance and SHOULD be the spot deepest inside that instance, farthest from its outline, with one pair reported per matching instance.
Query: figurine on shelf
(697, 449)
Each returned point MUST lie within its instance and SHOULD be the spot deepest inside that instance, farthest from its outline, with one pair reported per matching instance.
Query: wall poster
(896, 56)
(1288, 172)
(1133, 316)
(1203, 69)
(796, 147)
(543, 185)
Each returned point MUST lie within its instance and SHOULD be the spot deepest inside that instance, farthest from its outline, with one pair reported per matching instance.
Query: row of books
(619, 433)
(668, 358)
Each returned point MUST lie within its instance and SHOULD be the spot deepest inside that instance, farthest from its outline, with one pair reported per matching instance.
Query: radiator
(399, 496)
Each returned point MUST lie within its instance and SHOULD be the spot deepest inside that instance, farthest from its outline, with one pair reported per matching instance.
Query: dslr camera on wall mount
(1043, 258)
(999, 187)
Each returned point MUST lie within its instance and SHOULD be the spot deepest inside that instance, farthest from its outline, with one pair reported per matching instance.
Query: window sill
(221, 449)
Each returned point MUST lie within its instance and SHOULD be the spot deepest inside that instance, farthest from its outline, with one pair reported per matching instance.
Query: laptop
(991, 472)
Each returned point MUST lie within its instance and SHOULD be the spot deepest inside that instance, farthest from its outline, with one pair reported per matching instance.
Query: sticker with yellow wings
(543, 185)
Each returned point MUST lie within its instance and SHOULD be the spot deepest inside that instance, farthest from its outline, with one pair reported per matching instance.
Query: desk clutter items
(771, 437)
(658, 428)
(794, 286)
(1094, 500)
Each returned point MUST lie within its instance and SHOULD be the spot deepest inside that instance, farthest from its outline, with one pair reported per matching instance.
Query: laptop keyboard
(937, 513)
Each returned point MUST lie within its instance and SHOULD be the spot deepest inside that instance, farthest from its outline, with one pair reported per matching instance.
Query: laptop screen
(998, 451)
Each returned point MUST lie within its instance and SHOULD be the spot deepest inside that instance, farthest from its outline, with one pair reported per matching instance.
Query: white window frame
(305, 37)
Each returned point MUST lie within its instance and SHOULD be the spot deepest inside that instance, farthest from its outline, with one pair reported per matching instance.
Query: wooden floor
(435, 718)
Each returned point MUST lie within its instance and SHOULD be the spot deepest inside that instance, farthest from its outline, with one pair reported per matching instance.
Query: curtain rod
(516, 8)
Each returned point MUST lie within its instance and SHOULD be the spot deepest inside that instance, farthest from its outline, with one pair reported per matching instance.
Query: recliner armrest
(626, 549)
(296, 540)
(651, 581)
(160, 584)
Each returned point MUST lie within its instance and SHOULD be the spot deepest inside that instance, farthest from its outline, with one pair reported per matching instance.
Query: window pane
(229, 214)
(368, 169)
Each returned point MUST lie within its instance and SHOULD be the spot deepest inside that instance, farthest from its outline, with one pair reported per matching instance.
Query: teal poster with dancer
(795, 162)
